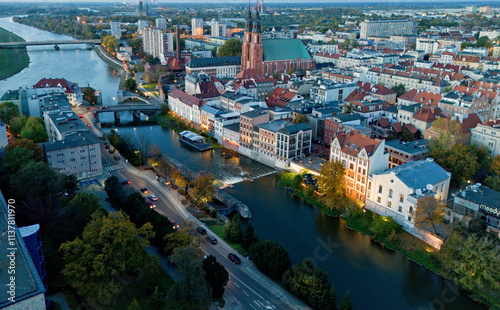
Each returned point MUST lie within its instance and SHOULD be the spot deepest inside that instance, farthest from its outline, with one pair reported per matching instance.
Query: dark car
(174, 224)
(201, 230)
(235, 259)
(107, 147)
(150, 204)
(211, 239)
(144, 190)
(126, 182)
(111, 151)
(116, 157)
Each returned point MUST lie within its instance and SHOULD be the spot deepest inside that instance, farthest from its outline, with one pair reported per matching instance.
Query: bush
(271, 258)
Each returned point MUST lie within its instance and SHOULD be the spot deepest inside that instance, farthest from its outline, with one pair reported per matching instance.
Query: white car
(153, 198)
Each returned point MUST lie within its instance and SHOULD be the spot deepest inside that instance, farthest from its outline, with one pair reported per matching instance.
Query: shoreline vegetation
(12, 60)
(388, 234)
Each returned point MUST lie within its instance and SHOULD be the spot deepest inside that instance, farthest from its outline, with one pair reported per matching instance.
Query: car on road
(235, 259)
(174, 224)
(201, 230)
(153, 198)
(107, 147)
(116, 157)
(211, 239)
(126, 182)
(88, 109)
(111, 151)
(144, 190)
(150, 204)
(80, 116)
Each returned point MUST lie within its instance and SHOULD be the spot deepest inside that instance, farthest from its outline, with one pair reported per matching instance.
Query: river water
(376, 277)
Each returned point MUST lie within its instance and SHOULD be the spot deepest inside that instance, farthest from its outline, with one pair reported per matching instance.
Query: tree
(346, 302)
(231, 47)
(34, 130)
(27, 144)
(331, 181)
(301, 118)
(134, 305)
(310, 285)
(484, 41)
(407, 135)
(383, 226)
(447, 134)
(114, 189)
(16, 158)
(192, 288)
(400, 89)
(177, 239)
(494, 166)
(8, 110)
(89, 95)
(203, 190)
(157, 300)
(232, 230)
(110, 43)
(17, 124)
(460, 160)
(79, 211)
(130, 84)
(429, 211)
(270, 258)
(249, 237)
(180, 180)
(493, 182)
(290, 71)
(215, 275)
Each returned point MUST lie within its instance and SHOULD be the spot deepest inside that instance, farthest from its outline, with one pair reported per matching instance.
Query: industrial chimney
(177, 44)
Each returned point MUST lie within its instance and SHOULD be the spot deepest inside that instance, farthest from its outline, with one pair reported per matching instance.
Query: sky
(238, 1)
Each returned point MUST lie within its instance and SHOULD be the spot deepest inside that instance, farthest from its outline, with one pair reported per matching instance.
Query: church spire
(248, 20)
(256, 24)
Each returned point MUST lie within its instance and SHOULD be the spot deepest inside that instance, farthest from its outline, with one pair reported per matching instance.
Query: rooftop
(410, 148)
(74, 140)
(284, 49)
(214, 62)
(481, 195)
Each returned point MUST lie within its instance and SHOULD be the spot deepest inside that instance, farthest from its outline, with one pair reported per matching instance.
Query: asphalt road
(247, 288)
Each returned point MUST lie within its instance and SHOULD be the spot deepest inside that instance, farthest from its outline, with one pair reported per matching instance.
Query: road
(247, 287)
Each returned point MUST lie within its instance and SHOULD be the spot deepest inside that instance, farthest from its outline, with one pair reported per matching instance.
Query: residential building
(240, 103)
(156, 42)
(219, 67)
(401, 153)
(361, 156)
(78, 154)
(61, 123)
(325, 48)
(336, 124)
(251, 83)
(487, 135)
(429, 46)
(161, 23)
(477, 201)
(464, 137)
(322, 57)
(231, 137)
(141, 25)
(208, 116)
(186, 107)
(72, 90)
(381, 92)
(197, 27)
(116, 30)
(28, 289)
(406, 40)
(461, 104)
(4, 140)
(221, 122)
(281, 97)
(397, 191)
(387, 28)
(247, 122)
(371, 108)
(327, 91)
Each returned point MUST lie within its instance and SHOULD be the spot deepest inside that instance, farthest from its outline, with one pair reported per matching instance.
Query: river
(76, 63)
(376, 277)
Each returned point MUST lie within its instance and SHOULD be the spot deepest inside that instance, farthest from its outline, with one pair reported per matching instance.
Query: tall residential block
(161, 23)
(197, 27)
(387, 28)
(116, 30)
(156, 42)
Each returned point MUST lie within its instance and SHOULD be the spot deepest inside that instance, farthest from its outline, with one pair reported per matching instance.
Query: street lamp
(139, 153)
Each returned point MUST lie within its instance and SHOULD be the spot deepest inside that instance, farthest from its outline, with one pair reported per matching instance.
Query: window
(389, 204)
(390, 193)
(409, 218)
(400, 209)
(379, 199)
(402, 198)
(370, 185)
(380, 189)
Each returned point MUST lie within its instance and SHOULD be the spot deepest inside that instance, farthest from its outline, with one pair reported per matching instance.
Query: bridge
(128, 107)
(55, 43)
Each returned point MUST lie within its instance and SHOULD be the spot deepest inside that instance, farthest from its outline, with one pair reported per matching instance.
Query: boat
(194, 141)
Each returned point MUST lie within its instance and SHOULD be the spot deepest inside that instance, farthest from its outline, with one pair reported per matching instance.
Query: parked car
(111, 151)
(235, 259)
(144, 190)
(126, 182)
(153, 198)
(211, 239)
(107, 147)
(116, 157)
(174, 225)
(150, 204)
(201, 230)
(80, 116)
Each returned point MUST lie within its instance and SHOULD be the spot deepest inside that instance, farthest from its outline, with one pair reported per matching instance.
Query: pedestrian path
(113, 167)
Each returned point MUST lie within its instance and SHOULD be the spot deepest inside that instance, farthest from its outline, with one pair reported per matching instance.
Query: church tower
(247, 39)
(256, 49)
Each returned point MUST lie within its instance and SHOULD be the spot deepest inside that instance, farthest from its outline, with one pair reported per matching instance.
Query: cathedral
(272, 55)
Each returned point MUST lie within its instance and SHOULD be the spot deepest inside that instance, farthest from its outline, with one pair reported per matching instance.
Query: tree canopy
(331, 181)
(203, 190)
(215, 275)
(270, 258)
(429, 212)
(130, 84)
(8, 110)
(34, 129)
(231, 47)
(400, 89)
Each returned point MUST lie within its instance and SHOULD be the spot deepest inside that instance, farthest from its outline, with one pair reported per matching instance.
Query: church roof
(284, 49)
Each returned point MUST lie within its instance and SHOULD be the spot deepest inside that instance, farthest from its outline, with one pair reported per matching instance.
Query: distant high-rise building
(161, 23)
(156, 42)
(387, 28)
(116, 30)
(141, 25)
(215, 29)
(197, 27)
(223, 30)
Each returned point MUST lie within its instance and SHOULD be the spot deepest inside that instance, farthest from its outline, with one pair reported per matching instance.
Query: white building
(161, 23)
(3, 135)
(328, 91)
(487, 135)
(492, 35)
(215, 29)
(386, 28)
(395, 192)
(429, 46)
(196, 27)
(186, 107)
(156, 42)
(325, 48)
(116, 30)
(141, 25)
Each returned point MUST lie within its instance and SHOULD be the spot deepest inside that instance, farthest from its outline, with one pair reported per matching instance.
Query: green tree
(8, 110)
(134, 305)
(484, 42)
(346, 302)
(460, 160)
(495, 164)
(270, 258)
(400, 89)
(130, 84)
(177, 239)
(447, 134)
(301, 118)
(157, 300)
(89, 95)
(383, 226)
(249, 237)
(290, 71)
(27, 144)
(34, 130)
(17, 158)
(311, 285)
(203, 190)
(192, 289)
(110, 245)
(493, 182)
(231, 47)
(79, 211)
(180, 180)
(17, 124)
(429, 212)
(407, 135)
(232, 230)
(215, 275)
(114, 190)
(331, 181)
(110, 43)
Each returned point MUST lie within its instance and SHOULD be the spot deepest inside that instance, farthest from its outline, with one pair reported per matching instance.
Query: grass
(12, 60)
(150, 87)
(219, 231)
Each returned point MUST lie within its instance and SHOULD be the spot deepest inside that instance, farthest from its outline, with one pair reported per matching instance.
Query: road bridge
(55, 43)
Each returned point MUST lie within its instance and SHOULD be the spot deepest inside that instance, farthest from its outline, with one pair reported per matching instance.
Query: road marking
(248, 287)
(246, 293)
(236, 284)
(252, 306)
(257, 303)
(113, 168)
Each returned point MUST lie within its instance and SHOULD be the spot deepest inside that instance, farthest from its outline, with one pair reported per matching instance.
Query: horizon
(164, 2)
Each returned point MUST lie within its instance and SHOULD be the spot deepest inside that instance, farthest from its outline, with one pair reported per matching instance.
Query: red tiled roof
(409, 95)
(384, 123)
(357, 94)
(428, 98)
(185, 98)
(469, 91)
(428, 114)
(397, 127)
(353, 143)
(411, 128)
(280, 97)
(376, 89)
(470, 122)
(67, 86)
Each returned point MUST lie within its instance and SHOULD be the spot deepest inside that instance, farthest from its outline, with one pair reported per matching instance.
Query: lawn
(12, 60)
(219, 231)
(149, 87)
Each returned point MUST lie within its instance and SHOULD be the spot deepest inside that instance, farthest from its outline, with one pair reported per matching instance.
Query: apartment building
(487, 135)
(401, 152)
(196, 27)
(328, 91)
(362, 156)
(387, 28)
(116, 30)
(141, 25)
(186, 107)
(72, 91)
(247, 122)
(156, 42)
(219, 67)
(161, 23)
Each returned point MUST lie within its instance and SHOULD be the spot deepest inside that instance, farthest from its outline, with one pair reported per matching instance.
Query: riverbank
(112, 64)
(12, 60)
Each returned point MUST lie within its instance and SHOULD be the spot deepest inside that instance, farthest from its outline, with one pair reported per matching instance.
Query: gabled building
(401, 153)
(72, 91)
(487, 135)
(281, 97)
(424, 117)
(361, 156)
(186, 107)
(379, 91)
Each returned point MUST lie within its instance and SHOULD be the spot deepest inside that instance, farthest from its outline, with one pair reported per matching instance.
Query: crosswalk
(113, 168)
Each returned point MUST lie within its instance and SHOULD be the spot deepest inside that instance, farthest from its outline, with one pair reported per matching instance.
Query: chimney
(177, 52)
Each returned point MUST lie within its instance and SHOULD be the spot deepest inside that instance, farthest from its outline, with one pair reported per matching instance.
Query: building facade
(156, 42)
(387, 28)
(116, 30)
(196, 27)
(487, 135)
